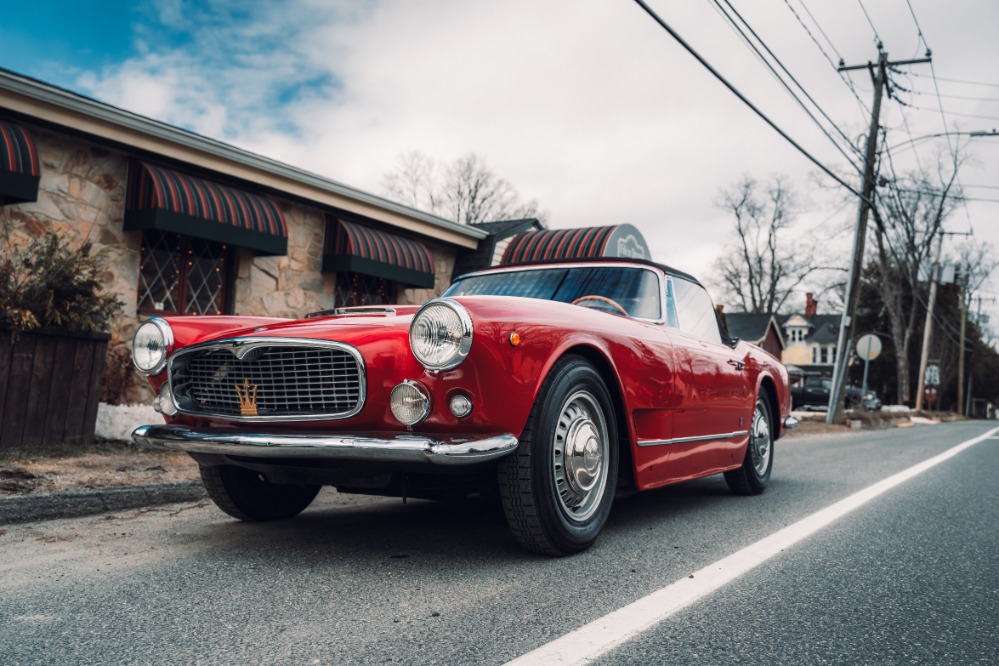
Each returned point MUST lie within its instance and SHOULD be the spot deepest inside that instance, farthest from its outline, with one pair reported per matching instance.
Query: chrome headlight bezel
(156, 345)
(410, 402)
(441, 345)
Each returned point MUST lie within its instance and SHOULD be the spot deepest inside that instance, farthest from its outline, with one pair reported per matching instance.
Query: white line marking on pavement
(604, 634)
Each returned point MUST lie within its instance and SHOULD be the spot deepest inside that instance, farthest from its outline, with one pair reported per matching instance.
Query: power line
(961, 81)
(863, 107)
(780, 79)
(919, 30)
(952, 113)
(967, 97)
(877, 37)
(735, 91)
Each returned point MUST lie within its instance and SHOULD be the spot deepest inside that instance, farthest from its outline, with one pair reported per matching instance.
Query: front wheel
(753, 477)
(248, 495)
(557, 488)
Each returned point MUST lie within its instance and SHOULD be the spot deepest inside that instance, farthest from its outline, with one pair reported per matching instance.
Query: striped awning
(164, 199)
(621, 240)
(359, 249)
(19, 173)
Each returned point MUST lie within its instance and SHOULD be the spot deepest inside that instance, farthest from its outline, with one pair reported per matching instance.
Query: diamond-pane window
(359, 289)
(182, 275)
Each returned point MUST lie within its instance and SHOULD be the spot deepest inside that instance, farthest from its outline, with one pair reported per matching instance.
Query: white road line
(604, 634)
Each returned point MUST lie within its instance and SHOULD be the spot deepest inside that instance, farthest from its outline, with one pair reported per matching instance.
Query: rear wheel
(753, 477)
(557, 488)
(248, 495)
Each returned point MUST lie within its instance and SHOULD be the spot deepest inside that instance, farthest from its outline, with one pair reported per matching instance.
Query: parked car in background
(554, 385)
(812, 392)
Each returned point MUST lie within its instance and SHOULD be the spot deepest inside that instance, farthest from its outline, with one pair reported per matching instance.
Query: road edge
(78, 503)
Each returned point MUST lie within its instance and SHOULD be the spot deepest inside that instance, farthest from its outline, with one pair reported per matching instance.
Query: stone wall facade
(82, 196)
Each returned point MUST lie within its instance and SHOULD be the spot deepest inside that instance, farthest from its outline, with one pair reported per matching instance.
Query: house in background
(805, 342)
(810, 339)
(761, 330)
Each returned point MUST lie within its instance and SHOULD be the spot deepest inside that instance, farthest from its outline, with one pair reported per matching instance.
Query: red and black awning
(19, 173)
(359, 249)
(164, 199)
(621, 240)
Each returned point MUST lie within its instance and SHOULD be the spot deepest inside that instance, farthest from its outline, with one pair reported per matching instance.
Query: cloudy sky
(587, 106)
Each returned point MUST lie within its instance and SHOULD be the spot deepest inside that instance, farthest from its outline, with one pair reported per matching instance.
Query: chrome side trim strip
(685, 440)
(377, 447)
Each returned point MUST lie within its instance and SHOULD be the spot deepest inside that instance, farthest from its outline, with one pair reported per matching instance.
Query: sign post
(868, 348)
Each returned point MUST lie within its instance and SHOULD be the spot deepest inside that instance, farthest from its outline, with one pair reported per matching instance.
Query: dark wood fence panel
(50, 384)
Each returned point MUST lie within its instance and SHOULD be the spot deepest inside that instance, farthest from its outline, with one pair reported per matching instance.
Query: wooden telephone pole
(844, 342)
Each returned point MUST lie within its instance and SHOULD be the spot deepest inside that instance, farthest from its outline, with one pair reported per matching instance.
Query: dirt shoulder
(106, 464)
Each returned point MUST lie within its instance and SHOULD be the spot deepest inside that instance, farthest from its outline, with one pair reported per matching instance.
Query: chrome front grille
(269, 379)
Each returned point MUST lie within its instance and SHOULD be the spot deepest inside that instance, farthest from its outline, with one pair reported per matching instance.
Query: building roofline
(34, 98)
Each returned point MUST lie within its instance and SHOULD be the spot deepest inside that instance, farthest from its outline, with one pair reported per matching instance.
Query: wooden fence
(50, 384)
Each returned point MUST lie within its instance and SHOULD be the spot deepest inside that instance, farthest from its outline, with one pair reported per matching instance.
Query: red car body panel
(667, 385)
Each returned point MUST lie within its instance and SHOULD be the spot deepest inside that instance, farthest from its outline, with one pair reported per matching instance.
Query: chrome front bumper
(401, 448)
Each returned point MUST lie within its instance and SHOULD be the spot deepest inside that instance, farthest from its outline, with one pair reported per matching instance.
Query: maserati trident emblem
(247, 398)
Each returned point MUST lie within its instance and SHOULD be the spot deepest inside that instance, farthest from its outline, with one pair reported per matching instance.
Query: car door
(711, 421)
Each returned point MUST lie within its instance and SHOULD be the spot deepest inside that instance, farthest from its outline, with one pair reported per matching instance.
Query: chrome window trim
(686, 440)
(659, 273)
(240, 347)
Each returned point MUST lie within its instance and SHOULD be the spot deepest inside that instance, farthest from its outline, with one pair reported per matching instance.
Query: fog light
(410, 402)
(164, 403)
(461, 405)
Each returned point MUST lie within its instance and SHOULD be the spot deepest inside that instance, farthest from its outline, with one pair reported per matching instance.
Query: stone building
(190, 225)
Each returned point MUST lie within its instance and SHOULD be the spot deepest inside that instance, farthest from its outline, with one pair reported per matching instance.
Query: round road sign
(868, 347)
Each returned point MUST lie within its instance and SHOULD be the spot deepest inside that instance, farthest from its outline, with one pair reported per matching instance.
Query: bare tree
(762, 268)
(909, 217)
(465, 191)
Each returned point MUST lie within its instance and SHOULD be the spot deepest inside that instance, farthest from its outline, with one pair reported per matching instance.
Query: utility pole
(879, 73)
(928, 325)
(964, 295)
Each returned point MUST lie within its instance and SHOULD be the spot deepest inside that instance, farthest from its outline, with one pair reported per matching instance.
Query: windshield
(617, 289)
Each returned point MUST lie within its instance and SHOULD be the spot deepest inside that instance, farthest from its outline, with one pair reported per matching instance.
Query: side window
(695, 311)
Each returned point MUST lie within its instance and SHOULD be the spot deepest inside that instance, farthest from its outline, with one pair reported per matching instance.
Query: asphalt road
(910, 577)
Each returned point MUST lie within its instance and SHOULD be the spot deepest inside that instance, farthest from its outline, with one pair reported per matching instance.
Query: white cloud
(587, 106)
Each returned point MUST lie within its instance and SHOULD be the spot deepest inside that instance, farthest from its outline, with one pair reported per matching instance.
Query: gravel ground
(107, 464)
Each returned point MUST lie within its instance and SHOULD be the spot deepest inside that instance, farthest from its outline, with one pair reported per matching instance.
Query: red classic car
(555, 385)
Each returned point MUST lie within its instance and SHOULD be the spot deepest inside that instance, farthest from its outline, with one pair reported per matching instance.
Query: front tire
(753, 477)
(557, 488)
(249, 496)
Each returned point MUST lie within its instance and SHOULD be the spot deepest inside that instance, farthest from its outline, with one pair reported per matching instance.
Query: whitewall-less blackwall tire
(248, 495)
(753, 477)
(557, 488)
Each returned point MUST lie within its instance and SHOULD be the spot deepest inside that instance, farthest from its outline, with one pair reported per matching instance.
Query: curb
(77, 503)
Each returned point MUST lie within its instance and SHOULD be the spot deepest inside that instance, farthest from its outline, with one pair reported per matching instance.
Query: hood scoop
(366, 310)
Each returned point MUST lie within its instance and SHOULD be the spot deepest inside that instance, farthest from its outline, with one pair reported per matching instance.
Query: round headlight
(441, 334)
(410, 402)
(150, 344)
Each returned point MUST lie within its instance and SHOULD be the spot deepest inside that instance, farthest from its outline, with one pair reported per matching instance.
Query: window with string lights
(180, 275)
(358, 289)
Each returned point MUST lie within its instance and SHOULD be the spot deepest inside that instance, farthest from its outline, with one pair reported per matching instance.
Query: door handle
(738, 365)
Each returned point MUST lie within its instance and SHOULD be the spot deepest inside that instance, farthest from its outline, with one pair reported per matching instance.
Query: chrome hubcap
(760, 442)
(579, 454)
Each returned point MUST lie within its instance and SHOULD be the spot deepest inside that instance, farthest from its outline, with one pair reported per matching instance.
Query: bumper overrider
(399, 448)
